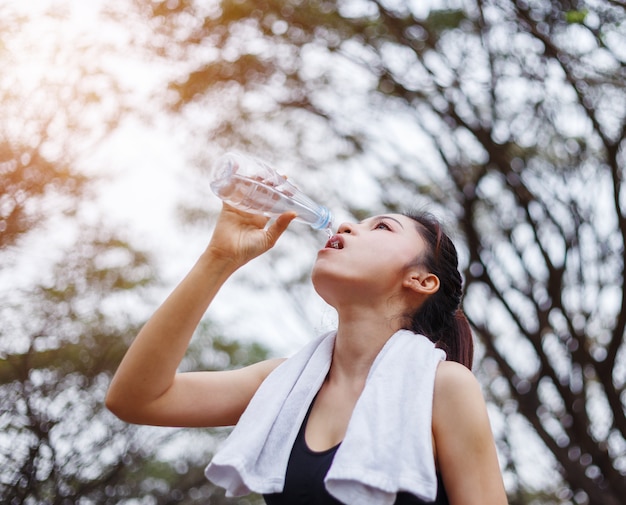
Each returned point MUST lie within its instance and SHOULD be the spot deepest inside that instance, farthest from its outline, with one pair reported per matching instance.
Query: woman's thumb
(277, 228)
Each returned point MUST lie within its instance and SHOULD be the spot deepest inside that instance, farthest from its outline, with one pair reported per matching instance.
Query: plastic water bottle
(251, 185)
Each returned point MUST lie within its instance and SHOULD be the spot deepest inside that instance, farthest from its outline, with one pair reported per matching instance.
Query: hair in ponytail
(440, 317)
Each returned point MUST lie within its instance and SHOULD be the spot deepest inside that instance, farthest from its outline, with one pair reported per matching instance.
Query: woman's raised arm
(146, 388)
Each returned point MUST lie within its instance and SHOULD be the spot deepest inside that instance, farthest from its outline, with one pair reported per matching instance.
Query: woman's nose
(345, 228)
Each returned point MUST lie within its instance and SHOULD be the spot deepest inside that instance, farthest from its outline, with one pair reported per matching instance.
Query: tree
(508, 117)
(71, 287)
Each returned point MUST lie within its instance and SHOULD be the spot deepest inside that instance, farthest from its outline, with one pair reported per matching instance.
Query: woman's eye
(382, 226)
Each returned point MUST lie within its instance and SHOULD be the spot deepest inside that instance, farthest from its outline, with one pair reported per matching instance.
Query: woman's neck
(360, 337)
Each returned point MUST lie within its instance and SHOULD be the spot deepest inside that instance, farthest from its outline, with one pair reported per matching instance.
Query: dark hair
(440, 317)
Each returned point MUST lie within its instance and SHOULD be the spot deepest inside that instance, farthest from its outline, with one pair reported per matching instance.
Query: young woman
(384, 275)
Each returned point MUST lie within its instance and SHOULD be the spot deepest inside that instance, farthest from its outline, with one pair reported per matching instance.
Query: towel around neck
(388, 443)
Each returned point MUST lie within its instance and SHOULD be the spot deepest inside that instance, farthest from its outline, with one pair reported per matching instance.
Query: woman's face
(368, 259)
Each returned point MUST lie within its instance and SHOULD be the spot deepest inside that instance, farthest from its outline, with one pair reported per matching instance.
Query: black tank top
(304, 480)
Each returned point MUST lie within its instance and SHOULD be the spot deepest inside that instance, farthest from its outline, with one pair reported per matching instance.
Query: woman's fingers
(241, 236)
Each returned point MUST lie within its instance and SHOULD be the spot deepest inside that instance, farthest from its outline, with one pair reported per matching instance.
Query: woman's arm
(146, 388)
(464, 444)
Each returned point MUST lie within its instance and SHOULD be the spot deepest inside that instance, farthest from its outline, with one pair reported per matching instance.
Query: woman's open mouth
(335, 242)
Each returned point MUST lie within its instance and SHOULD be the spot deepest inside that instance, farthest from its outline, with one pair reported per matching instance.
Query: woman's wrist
(220, 260)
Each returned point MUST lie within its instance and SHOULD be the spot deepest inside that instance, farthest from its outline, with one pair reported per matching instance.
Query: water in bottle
(251, 185)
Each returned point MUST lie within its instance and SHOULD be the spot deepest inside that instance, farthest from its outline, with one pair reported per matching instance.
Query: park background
(505, 118)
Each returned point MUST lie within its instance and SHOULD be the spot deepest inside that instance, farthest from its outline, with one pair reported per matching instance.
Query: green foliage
(441, 20)
(576, 16)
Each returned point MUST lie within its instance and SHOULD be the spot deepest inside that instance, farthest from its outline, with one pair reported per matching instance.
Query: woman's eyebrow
(386, 217)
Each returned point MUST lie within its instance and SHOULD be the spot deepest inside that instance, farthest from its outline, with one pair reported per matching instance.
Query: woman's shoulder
(453, 374)
(456, 388)
(463, 440)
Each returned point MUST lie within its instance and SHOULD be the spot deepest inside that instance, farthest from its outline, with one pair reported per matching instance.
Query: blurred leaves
(24, 177)
(60, 342)
(74, 288)
(576, 16)
(506, 118)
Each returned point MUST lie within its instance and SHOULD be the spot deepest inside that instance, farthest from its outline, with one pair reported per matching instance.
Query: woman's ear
(422, 282)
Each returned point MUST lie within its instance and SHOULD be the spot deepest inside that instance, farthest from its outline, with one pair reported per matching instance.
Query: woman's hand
(240, 236)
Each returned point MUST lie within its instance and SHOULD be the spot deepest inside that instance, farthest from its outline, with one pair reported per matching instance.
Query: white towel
(387, 447)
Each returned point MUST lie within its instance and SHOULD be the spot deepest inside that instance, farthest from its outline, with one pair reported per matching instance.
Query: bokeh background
(504, 118)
